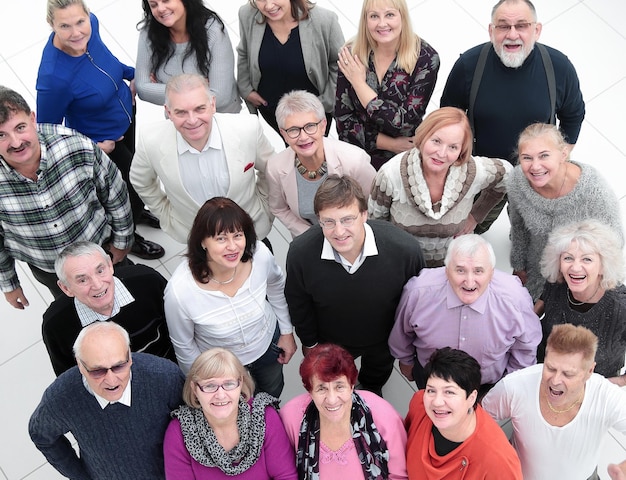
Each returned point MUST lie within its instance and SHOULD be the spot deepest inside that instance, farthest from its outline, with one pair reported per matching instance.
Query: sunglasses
(101, 372)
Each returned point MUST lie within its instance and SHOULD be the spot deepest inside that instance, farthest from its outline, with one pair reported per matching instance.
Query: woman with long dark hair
(184, 36)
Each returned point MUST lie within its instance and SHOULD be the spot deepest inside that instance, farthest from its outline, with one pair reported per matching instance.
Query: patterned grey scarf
(203, 446)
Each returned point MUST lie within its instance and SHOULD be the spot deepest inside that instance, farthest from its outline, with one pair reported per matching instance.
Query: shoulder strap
(549, 68)
(478, 75)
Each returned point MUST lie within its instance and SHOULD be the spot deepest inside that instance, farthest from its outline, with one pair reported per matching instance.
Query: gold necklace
(311, 174)
(578, 304)
(568, 408)
(225, 282)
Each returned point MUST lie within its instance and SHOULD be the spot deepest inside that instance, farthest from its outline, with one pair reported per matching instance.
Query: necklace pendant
(312, 175)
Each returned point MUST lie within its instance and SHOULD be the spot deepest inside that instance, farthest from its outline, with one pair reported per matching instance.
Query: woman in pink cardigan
(295, 174)
(338, 432)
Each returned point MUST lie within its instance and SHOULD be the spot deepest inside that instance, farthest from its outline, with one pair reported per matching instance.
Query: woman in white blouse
(229, 293)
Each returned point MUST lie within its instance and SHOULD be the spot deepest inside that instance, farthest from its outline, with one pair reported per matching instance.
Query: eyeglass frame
(217, 387)
(519, 27)
(304, 127)
(102, 372)
(331, 223)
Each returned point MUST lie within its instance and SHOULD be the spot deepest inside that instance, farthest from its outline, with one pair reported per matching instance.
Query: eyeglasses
(227, 386)
(101, 372)
(520, 27)
(309, 129)
(330, 223)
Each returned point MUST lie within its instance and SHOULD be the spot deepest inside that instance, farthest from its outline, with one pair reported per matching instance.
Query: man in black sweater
(133, 298)
(344, 280)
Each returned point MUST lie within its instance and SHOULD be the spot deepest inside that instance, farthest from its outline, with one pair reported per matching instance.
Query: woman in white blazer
(295, 174)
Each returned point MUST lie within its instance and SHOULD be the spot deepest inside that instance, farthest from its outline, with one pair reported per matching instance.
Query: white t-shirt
(546, 451)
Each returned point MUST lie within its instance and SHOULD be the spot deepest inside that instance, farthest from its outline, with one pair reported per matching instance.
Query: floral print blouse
(396, 111)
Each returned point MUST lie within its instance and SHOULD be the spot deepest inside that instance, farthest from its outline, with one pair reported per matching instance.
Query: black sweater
(327, 304)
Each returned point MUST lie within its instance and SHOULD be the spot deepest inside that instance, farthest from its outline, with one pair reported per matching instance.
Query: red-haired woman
(430, 191)
(338, 432)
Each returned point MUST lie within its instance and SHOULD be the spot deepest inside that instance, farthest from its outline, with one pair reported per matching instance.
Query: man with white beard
(507, 84)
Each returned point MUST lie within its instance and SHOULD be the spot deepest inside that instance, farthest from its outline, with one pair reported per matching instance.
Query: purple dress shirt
(500, 329)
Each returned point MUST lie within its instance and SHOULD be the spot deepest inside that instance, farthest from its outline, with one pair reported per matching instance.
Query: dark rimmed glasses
(309, 129)
(227, 386)
(101, 372)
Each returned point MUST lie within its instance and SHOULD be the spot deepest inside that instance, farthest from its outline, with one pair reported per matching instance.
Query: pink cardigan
(342, 158)
(344, 463)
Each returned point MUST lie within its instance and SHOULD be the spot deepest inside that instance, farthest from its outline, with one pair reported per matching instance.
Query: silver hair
(591, 236)
(184, 82)
(53, 5)
(533, 10)
(298, 101)
(76, 249)
(95, 328)
(469, 245)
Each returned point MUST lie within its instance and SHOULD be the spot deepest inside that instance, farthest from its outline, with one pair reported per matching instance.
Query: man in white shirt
(198, 154)
(560, 410)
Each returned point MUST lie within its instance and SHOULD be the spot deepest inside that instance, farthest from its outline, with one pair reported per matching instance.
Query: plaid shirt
(79, 195)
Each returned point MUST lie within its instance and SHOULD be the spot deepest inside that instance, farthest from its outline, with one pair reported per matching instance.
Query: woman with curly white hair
(584, 268)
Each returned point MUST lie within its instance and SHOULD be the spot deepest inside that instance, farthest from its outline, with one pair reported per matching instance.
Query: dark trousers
(376, 365)
(491, 217)
(122, 156)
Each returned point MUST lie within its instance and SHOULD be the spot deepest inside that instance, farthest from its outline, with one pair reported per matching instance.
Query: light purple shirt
(500, 329)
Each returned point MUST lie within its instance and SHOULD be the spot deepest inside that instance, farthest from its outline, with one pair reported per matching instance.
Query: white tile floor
(585, 30)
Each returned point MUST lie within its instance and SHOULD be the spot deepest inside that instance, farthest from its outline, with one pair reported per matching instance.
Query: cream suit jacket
(247, 150)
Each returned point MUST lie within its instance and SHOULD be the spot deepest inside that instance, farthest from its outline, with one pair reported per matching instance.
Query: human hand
(117, 255)
(617, 472)
(393, 144)
(406, 370)
(306, 350)
(153, 78)
(17, 299)
(107, 146)
(255, 99)
(523, 276)
(133, 89)
(351, 66)
(468, 226)
(288, 344)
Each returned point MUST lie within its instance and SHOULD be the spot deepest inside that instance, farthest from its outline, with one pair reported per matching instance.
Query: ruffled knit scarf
(370, 446)
(203, 446)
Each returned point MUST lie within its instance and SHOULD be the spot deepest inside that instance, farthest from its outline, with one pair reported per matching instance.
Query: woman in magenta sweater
(223, 433)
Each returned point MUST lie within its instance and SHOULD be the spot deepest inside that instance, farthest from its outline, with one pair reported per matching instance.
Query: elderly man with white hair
(470, 306)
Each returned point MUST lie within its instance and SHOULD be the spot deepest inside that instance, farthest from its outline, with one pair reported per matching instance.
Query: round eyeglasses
(330, 223)
(227, 386)
(309, 129)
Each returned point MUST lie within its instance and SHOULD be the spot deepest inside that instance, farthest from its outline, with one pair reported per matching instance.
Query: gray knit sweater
(533, 217)
(117, 442)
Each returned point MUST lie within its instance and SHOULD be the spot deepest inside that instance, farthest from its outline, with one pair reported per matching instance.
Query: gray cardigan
(533, 217)
(321, 38)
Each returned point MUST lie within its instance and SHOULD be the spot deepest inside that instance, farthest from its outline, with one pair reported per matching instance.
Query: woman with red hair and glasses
(338, 432)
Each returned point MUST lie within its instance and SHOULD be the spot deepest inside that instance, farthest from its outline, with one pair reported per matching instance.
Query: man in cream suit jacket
(197, 155)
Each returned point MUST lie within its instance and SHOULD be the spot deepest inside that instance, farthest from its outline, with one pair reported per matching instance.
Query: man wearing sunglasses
(511, 82)
(198, 154)
(115, 405)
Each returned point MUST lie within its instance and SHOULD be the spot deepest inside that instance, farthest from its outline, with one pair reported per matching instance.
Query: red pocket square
(248, 167)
